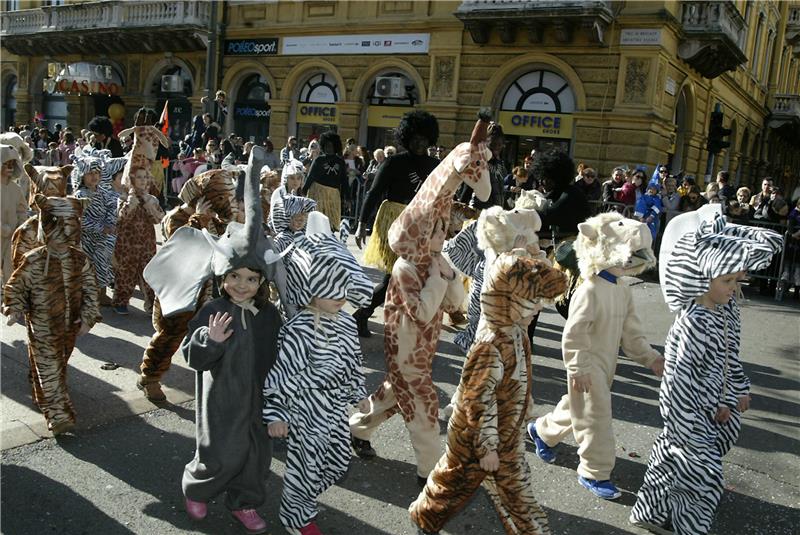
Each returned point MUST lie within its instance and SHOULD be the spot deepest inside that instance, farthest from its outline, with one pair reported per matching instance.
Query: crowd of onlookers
(654, 200)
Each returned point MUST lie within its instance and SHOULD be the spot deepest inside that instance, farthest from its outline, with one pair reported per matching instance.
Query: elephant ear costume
(190, 257)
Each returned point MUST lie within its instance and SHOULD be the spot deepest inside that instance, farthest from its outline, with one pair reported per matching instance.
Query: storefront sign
(325, 45)
(251, 47)
(317, 113)
(642, 36)
(82, 78)
(248, 111)
(386, 116)
(84, 87)
(536, 123)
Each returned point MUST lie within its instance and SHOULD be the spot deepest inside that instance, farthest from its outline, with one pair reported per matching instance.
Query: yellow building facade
(612, 82)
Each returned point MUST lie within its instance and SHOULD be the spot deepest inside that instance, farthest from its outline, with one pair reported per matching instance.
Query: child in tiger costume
(208, 203)
(485, 436)
(56, 289)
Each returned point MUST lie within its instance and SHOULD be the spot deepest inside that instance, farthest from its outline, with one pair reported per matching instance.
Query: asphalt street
(120, 472)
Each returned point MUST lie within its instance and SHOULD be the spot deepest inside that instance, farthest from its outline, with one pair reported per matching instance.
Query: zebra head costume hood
(322, 267)
(86, 161)
(241, 246)
(714, 249)
(294, 205)
(292, 167)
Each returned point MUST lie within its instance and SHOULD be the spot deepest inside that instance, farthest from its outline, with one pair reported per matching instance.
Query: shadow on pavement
(60, 509)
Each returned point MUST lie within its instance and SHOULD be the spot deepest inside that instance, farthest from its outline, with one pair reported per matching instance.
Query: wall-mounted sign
(640, 36)
(671, 86)
(83, 78)
(322, 113)
(251, 47)
(250, 111)
(386, 116)
(326, 45)
(536, 123)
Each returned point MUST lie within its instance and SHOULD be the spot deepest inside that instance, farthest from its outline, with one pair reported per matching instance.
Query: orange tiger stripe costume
(50, 182)
(57, 292)
(217, 188)
(492, 405)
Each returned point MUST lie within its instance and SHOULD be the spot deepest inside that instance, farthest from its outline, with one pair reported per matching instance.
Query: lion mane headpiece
(610, 240)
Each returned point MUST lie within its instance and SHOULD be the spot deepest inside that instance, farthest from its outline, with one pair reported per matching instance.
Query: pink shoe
(310, 529)
(196, 510)
(250, 520)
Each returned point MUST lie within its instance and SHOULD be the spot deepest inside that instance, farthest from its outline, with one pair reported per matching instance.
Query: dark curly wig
(554, 165)
(101, 125)
(417, 122)
(330, 143)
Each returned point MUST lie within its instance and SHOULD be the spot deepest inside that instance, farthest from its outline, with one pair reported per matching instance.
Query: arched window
(757, 46)
(410, 92)
(251, 112)
(9, 102)
(320, 88)
(539, 91)
(767, 57)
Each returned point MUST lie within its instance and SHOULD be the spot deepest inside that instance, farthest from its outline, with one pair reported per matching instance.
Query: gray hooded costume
(233, 449)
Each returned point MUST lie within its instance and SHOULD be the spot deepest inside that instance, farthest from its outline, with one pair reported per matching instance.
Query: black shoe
(421, 531)
(421, 481)
(362, 323)
(363, 448)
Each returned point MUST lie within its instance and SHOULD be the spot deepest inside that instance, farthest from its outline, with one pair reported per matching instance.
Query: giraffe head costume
(410, 234)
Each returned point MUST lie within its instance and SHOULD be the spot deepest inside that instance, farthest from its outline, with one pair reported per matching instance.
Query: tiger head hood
(515, 283)
(218, 187)
(49, 181)
(714, 249)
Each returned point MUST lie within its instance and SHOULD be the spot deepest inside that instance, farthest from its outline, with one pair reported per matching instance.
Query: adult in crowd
(270, 157)
(762, 197)
(378, 157)
(395, 184)
(567, 205)
(670, 199)
(692, 200)
(609, 187)
(327, 181)
(589, 185)
(290, 151)
(726, 191)
(104, 138)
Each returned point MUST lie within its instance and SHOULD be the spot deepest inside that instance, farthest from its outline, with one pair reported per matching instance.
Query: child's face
(91, 179)
(722, 289)
(637, 180)
(331, 306)
(8, 170)
(652, 191)
(140, 180)
(670, 185)
(242, 284)
(438, 237)
(298, 221)
(742, 196)
(293, 182)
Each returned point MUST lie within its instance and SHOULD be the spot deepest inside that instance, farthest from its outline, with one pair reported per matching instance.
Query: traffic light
(717, 134)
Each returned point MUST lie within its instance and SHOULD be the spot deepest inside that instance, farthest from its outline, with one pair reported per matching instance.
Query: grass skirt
(378, 253)
(329, 202)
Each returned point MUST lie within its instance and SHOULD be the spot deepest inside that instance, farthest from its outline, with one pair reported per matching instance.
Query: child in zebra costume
(318, 374)
(99, 224)
(602, 317)
(232, 342)
(291, 182)
(704, 390)
(295, 210)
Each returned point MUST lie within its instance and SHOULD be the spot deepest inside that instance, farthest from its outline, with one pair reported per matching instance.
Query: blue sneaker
(543, 451)
(122, 310)
(602, 489)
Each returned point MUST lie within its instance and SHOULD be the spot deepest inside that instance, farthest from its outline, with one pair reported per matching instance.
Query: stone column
(349, 119)
(279, 122)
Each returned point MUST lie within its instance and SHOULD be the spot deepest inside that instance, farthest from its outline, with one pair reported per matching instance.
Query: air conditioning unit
(171, 83)
(390, 87)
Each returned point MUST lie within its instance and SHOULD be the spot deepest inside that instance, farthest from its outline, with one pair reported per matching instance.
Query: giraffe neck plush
(409, 236)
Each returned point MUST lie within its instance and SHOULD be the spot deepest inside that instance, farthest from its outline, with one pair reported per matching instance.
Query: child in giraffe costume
(56, 289)
(485, 436)
(422, 284)
(136, 239)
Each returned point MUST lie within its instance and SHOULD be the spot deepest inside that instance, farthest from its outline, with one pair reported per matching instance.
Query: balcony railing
(793, 30)
(786, 107)
(506, 16)
(713, 36)
(19, 29)
(106, 14)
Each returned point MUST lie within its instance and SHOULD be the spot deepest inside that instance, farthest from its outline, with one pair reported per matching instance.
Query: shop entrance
(315, 110)
(251, 113)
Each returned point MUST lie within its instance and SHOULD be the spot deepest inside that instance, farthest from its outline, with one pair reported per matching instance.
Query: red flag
(164, 120)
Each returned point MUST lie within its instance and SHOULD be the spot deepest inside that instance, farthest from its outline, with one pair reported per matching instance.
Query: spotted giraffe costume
(415, 302)
(146, 140)
(492, 403)
(684, 481)
(57, 292)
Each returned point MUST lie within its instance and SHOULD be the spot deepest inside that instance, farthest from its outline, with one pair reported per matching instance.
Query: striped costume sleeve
(16, 292)
(462, 250)
(90, 304)
(482, 373)
(285, 377)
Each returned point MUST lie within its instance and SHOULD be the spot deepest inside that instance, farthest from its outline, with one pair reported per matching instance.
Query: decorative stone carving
(661, 79)
(637, 72)
(443, 72)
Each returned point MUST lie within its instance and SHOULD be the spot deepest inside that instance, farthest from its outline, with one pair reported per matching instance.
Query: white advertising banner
(325, 45)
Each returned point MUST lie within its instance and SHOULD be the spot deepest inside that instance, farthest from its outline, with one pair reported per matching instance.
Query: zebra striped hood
(323, 267)
(87, 160)
(715, 249)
